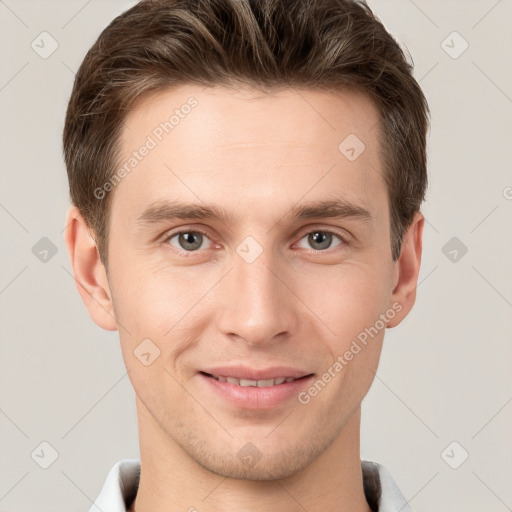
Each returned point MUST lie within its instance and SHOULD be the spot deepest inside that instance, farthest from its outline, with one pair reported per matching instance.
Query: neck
(171, 481)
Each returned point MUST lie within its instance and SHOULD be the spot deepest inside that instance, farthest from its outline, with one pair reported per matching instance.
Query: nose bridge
(257, 305)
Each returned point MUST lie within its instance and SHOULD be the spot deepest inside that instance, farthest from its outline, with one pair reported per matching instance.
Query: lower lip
(252, 397)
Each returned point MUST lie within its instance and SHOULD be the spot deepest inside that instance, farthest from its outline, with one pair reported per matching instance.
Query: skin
(256, 155)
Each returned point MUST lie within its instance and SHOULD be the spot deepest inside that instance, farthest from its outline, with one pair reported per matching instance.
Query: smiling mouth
(263, 383)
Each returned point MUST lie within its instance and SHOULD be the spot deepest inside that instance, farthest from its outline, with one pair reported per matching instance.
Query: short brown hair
(317, 44)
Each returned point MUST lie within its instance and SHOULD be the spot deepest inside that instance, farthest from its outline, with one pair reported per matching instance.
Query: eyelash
(343, 238)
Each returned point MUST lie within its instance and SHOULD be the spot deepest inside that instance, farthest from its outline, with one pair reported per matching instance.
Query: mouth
(246, 388)
(261, 383)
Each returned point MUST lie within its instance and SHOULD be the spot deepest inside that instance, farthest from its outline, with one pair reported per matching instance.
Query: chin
(249, 463)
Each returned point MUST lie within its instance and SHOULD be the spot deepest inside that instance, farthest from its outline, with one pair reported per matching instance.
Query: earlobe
(408, 268)
(89, 272)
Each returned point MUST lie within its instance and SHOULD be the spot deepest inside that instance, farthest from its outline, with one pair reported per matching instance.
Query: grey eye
(188, 240)
(320, 240)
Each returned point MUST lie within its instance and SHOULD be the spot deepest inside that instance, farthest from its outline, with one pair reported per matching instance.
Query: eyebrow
(161, 211)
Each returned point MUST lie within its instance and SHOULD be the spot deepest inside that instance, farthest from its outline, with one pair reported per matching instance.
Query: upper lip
(244, 372)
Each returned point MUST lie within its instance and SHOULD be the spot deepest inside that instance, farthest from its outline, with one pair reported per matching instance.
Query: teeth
(267, 382)
(247, 382)
(264, 383)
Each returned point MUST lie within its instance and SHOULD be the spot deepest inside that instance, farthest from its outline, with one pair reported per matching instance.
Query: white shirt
(120, 488)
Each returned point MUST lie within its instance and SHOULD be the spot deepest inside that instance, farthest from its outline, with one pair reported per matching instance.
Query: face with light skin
(317, 284)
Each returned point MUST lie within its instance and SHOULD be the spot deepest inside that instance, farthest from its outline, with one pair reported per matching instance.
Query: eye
(189, 241)
(320, 239)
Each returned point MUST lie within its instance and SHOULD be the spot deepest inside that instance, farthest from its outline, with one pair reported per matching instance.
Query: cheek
(167, 306)
(350, 307)
(159, 319)
(151, 297)
(347, 299)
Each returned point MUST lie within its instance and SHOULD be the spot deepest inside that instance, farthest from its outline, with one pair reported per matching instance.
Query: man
(246, 179)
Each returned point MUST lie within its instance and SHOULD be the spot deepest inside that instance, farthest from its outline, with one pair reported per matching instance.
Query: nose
(258, 306)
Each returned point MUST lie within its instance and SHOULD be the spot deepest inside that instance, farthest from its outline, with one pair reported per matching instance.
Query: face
(247, 243)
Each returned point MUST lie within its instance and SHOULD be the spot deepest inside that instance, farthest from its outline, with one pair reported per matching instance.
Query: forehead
(295, 115)
(223, 144)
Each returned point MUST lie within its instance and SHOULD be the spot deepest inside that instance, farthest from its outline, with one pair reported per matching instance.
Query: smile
(264, 383)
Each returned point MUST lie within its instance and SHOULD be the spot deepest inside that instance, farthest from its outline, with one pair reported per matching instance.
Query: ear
(90, 275)
(407, 270)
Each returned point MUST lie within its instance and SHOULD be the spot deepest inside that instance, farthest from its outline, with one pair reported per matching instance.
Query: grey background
(445, 372)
